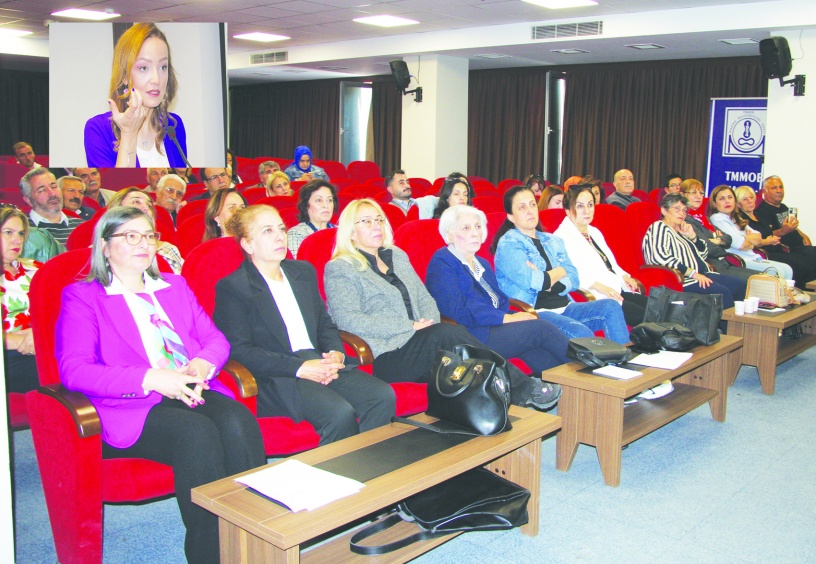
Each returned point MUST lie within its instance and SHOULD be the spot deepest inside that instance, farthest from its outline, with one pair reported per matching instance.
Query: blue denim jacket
(518, 280)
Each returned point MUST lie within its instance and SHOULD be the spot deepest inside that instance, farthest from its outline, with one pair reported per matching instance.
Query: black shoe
(543, 396)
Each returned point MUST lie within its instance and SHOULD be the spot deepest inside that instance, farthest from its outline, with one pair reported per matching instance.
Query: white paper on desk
(300, 486)
(668, 360)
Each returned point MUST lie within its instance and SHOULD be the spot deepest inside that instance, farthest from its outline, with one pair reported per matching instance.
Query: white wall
(434, 133)
(79, 78)
(791, 130)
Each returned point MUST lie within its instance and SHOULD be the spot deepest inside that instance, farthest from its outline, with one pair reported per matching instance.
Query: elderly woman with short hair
(465, 289)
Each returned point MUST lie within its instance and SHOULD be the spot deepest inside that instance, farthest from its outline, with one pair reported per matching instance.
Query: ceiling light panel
(561, 4)
(79, 14)
(385, 21)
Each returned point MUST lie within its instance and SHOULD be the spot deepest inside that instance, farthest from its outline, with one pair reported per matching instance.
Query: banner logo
(744, 132)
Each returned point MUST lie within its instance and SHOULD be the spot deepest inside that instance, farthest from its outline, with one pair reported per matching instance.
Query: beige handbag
(770, 289)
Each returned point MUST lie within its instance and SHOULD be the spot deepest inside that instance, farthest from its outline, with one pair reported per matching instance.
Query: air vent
(273, 57)
(581, 29)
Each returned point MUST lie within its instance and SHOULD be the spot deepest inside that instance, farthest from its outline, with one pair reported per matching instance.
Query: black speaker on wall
(401, 75)
(776, 57)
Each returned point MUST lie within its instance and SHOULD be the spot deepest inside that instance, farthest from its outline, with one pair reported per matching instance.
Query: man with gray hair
(73, 192)
(170, 194)
(41, 192)
(265, 170)
(783, 221)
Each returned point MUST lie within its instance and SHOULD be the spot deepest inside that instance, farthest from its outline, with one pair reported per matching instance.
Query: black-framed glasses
(134, 237)
(214, 176)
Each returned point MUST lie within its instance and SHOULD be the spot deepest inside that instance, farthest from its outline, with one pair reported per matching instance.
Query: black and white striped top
(664, 246)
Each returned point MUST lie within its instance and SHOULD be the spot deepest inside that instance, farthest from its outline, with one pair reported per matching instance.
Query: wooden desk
(593, 412)
(764, 347)
(811, 285)
(253, 529)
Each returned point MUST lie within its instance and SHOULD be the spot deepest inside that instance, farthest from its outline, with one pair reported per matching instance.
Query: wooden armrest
(79, 406)
(805, 238)
(522, 306)
(361, 348)
(446, 319)
(677, 273)
(587, 295)
(641, 287)
(247, 386)
(731, 257)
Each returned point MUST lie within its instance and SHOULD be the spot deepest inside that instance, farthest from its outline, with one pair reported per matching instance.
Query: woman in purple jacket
(139, 131)
(144, 352)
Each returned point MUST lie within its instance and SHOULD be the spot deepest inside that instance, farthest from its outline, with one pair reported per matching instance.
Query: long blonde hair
(344, 248)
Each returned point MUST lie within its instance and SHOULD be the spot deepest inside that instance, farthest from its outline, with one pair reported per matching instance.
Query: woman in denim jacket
(533, 266)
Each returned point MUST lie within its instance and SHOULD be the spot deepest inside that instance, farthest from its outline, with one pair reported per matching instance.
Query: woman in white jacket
(598, 271)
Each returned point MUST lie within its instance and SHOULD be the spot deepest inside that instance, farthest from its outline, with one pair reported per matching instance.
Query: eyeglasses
(695, 192)
(370, 221)
(679, 209)
(7, 205)
(134, 237)
(179, 193)
(214, 176)
(674, 185)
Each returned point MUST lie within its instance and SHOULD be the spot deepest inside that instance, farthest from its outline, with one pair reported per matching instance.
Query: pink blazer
(101, 354)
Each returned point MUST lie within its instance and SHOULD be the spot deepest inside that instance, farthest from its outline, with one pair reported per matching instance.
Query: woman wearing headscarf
(302, 167)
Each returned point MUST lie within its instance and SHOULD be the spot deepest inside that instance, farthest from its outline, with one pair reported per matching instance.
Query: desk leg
(767, 345)
(240, 546)
(566, 442)
(523, 467)
(610, 438)
(714, 375)
(737, 329)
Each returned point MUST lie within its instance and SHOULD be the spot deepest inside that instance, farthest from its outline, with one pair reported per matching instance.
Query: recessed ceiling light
(646, 46)
(385, 21)
(6, 32)
(262, 37)
(492, 56)
(80, 14)
(569, 51)
(559, 4)
(739, 41)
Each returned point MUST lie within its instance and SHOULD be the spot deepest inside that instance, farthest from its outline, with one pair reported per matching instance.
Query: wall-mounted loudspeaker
(776, 57)
(401, 75)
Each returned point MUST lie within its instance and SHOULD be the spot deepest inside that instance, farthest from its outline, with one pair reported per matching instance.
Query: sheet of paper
(300, 486)
(668, 360)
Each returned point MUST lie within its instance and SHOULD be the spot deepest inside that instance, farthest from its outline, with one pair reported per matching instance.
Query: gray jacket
(364, 303)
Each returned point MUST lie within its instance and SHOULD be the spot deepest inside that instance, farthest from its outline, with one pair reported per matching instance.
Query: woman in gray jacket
(373, 291)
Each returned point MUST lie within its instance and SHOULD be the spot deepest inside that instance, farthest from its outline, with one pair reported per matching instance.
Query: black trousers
(202, 444)
(413, 361)
(21, 372)
(801, 259)
(634, 307)
(334, 410)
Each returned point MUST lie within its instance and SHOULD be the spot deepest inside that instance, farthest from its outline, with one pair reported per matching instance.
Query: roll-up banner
(736, 142)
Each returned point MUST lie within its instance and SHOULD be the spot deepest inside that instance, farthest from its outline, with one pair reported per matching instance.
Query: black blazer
(247, 314)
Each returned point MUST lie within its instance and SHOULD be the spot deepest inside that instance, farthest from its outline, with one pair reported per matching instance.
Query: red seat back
(317, 249)
(279, 202)
(551, 219)
(197, 207)
(165, 225)
(252, 195)
(508, 183)
(334, 169)
(363, 170)
(208, 263)
(494, 222)
(420, 239)
(489, 204)
(190, 234)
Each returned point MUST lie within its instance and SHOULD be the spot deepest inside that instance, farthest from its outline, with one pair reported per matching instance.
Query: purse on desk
(699, 312)
(597, 352)
(477, 500)
(652, 337)
(770, 288)
(469, 387)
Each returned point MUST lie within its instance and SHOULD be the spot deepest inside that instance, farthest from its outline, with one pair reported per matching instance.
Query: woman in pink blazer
(144, 352)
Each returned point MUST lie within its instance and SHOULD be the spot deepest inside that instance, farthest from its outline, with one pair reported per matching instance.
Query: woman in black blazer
(272, 315)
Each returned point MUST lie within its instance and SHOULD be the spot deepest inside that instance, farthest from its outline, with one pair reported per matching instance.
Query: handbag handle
(436, 429)
(387, 523)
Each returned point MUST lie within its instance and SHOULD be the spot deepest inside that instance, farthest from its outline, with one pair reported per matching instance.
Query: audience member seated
(465, 289)
(535, 183)
(41, 191)
(533, 266)
(93, 185)
(214, 179)
(571, 181)
(672, 242)
(373, 291)
(278, 185)
(624, 182)
(25, 155)
(265, 169)
(232, 170)
(221, 207)
(302, 167)
(277, 325)
(597, 188)
(723, 214)
(552, 197)
(455, 191)
(153, 177)
(170, 194)
(18, 353)
(804, 269)
(598, 271)
(316, 202)
(135, 198)
(776, 215)
(73, 192)
(673, 186)
(398, 185)
(718, 244)
(146, 359)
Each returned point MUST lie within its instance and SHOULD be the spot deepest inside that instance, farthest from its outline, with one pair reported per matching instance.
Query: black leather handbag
(477, 500)
(699, 312)
(469, 387)
(596, 352)
(653, 337)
